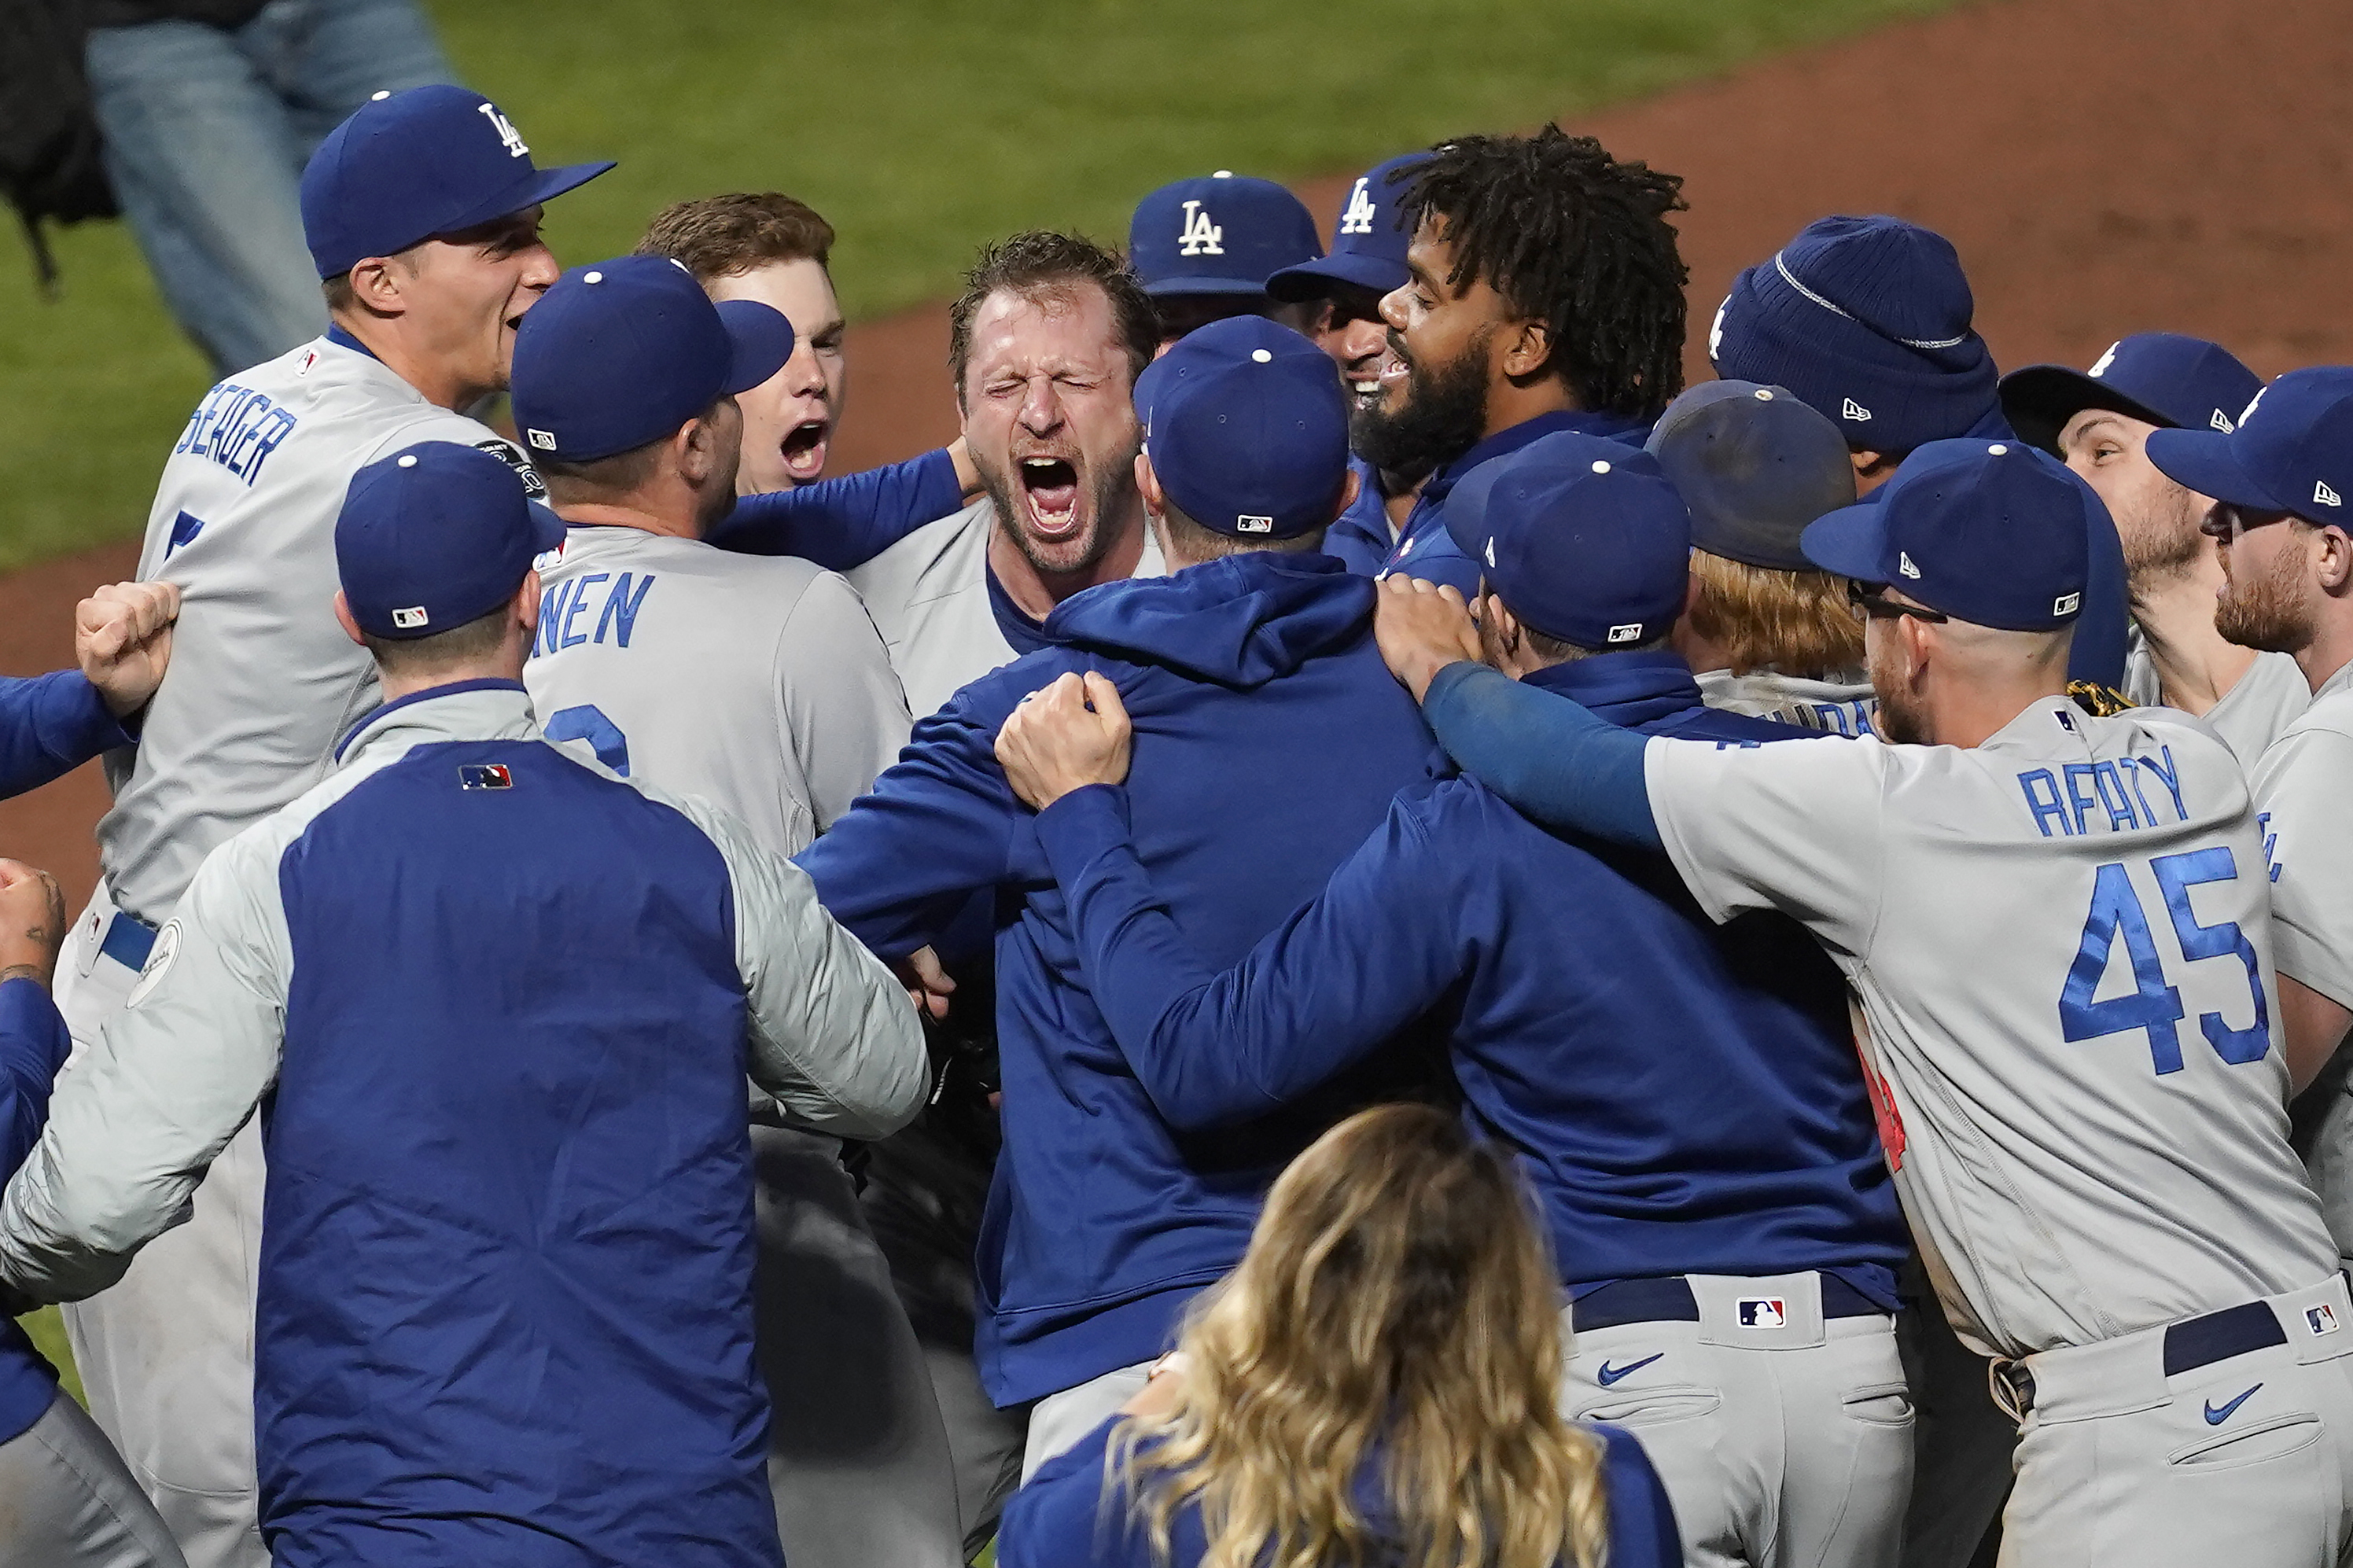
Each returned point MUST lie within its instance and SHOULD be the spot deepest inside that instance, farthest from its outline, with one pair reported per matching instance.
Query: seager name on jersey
(561, 617)
(2113, 793)
(237, 427)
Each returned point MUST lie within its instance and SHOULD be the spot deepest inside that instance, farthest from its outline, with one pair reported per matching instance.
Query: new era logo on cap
(2323, 495)
(410, 618)
(1904, 564)
(1851, 409)
(1764, 1313)
(2222, 421)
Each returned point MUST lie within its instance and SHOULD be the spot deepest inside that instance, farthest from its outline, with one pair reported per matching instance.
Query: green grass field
(920, 127)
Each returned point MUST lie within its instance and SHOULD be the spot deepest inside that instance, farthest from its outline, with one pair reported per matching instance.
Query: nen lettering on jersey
(2270, 843)
(237, 427)
(2114, 793)
(560, 617)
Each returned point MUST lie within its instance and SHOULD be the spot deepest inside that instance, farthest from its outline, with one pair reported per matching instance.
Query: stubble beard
(1106, 497)
(2267, 612)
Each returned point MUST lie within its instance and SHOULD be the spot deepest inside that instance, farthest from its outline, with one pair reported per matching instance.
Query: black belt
(2189, 1344)
(1670, 1300)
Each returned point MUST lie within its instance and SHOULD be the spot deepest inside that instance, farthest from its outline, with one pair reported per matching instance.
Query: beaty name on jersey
(237, 427)
(2110, 795)
(565, 618)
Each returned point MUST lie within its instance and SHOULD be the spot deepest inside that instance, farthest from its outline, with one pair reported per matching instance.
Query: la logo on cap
(1854, 410)
(1200, 237)
(2100, 366)
(507, 132)
(1358, 218)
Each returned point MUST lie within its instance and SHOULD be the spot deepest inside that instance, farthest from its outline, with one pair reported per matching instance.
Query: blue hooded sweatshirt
(1682, 1097)
(1424, 549)
(1270, 739)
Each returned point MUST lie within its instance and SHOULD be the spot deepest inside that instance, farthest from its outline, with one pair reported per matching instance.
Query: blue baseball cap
(435, 536)
(409, 166)
(1991, 533)
(2159, 378)
(1247, 428)
(1756, 465)
(1224, 234)
(624, 351)
(1583, 538)
(1368, 243)
(1868, 320)
(2292, 451)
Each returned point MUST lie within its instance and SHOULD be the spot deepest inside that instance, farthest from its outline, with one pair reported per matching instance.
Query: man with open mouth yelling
(1045, 343)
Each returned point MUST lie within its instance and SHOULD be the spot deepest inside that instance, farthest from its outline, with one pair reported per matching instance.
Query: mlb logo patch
(1764, 1313)
(485, 775)
(409, 619)
(1246, 524)
(2066, 604)
(2321, 1319)
(1629, 633)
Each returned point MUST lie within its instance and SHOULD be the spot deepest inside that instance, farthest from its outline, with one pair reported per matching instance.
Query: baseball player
(1766, 631)
(1545, 294)
(505, 1276)
(1738, 1316)
(2099, 423)
(773, 249)
(1205, 248)
(422, 215)
(1869, 320)
(1367, 262)
(1045, 343)
(760, 685)
(1255, 664)
(2277, 482)
(2057, 930)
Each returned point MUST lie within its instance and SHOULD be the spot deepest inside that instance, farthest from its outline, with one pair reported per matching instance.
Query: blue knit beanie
(1866, 319)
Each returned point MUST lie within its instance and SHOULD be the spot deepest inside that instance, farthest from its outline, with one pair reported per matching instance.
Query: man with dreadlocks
(1544, 293)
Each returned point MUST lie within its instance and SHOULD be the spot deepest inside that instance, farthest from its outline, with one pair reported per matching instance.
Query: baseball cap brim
(539, 186)
(548, 528)
(2040, 399)
(1313, 279)
(1851, 542)
(1167, 288)
(763, 340)
(2202, 460)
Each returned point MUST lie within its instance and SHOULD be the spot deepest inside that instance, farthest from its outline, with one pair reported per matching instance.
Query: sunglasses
(1871, 599)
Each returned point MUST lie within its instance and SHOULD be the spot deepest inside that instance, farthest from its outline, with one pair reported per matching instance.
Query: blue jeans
(206, 132)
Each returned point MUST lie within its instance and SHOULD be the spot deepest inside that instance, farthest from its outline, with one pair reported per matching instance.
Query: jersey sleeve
(844, 714)
(844, 523)
(939, 825)
(832, 1034)
(50, 725)
(134, 1125)
(1794, 827)
(2300, 788)
(1320, 990)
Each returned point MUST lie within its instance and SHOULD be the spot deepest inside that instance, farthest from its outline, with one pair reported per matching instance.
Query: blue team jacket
(844, 523)
(1683, 1097)
(509, 1216)
(1057, 1520)
(1424, 549)
(50, 725)
(1359, 536)
(1270, 739)
(33, 1047)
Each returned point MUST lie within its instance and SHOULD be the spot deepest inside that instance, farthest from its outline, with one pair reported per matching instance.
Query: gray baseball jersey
(2059, 947)
(2250, 716)
(756, 682)
(929, 594)
(1841, 707)
(263, 681)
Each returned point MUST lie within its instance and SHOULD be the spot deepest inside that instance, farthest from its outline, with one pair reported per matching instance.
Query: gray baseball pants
(69, 1501)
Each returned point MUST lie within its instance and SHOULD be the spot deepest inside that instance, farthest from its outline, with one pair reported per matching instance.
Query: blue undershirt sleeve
(844, 523)
(1554, 759)
(50, 725)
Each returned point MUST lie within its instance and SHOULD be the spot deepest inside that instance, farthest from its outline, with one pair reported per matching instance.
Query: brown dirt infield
(2104, 168)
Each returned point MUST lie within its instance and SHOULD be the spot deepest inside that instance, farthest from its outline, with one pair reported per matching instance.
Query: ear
(375, 284)
(343, 619)
(1919, 644)
(2333, 563)
(1528, 350)
(526, 605)
(1348, 492)
(694, 450)
(1691, 598)
(1502, 624)
(1148, 484)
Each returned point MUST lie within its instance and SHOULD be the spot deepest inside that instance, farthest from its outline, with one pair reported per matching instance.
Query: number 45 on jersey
(2155, 1004)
